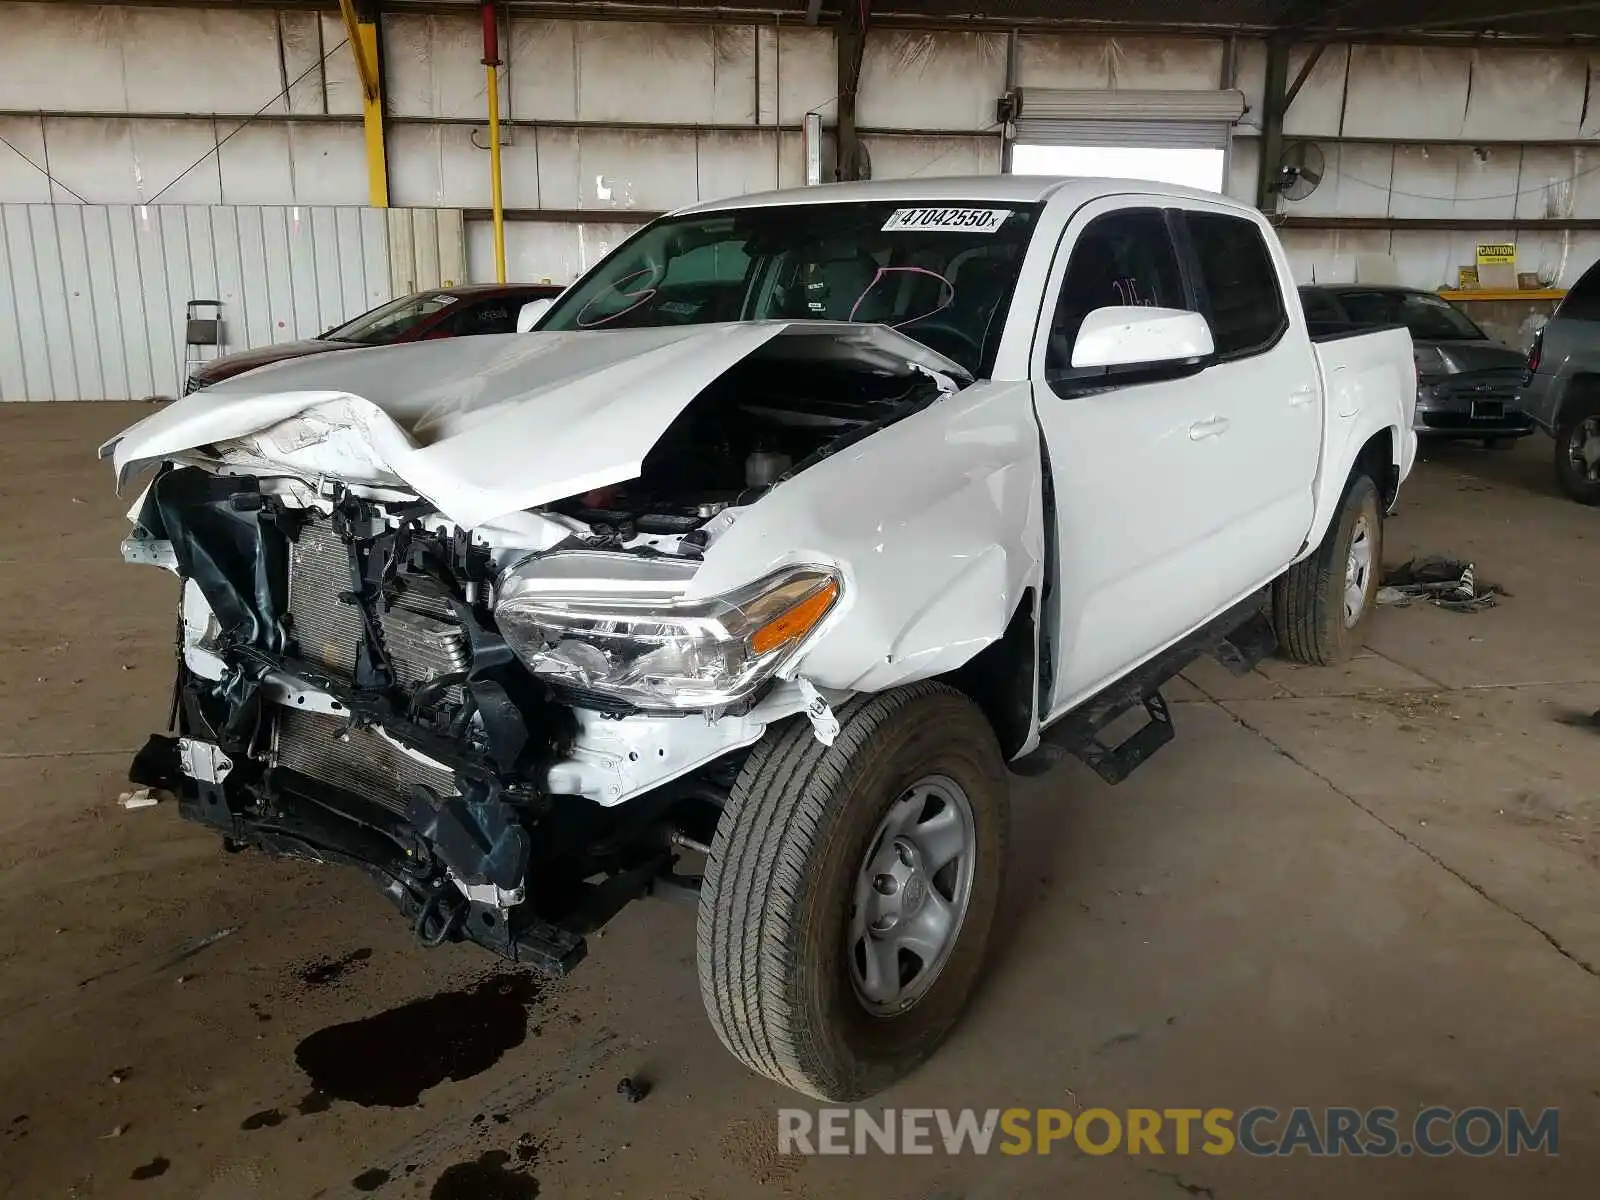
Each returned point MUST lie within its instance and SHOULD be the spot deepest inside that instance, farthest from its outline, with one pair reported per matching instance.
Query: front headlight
(658, 653)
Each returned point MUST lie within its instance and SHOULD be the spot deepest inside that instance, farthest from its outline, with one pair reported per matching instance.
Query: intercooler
(423, 639)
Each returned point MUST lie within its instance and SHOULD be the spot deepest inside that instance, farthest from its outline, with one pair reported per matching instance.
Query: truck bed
(1359, 364)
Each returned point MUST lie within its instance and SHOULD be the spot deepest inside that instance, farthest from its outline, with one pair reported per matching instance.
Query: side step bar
(1238, 639)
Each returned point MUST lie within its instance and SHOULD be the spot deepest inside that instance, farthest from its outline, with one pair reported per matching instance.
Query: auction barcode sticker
(950, 220)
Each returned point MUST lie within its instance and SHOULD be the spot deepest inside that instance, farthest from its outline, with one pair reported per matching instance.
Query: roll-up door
(1157, 119)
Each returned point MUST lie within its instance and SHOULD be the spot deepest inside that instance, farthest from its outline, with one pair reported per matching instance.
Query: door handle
(1302, 397)
(1215, 427)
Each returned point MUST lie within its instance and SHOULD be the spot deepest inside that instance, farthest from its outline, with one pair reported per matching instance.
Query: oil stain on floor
(324, 971)
(156, 1167)
(390, 1059)
(490, 1176)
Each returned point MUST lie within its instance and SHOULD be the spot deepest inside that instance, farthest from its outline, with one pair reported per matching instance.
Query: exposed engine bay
(764, 420)
(363, 681)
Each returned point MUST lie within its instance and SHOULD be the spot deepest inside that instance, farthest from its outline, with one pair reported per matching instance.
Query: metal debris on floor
(1445, 582)
(141, 798)
(633, 1090)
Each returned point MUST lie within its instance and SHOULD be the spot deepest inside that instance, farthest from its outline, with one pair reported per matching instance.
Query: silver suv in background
(1563, 389)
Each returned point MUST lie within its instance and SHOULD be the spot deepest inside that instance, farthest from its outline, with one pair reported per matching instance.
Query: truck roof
(1014, 189)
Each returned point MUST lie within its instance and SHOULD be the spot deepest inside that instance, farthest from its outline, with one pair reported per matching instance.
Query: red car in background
(438, 313)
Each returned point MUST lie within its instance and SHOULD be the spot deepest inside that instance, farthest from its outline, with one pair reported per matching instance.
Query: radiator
(359, 761)
(420, 630)
(423, 639)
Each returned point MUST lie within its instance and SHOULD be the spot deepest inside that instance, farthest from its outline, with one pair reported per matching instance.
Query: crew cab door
(1162, 519)
(1268, 380)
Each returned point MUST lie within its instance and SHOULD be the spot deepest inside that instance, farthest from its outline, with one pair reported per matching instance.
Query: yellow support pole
(491, 66)
(363, 39)
(372, 121)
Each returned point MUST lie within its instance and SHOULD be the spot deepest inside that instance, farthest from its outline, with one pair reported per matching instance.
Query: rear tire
(1575, 433)
(780, 954)
(1321, 605)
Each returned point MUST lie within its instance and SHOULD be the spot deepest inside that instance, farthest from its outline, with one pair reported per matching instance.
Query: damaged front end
(498, 627)
(346, 693)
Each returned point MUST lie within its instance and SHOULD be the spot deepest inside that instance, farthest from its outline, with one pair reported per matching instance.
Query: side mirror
(528, 316)
(1124, 336)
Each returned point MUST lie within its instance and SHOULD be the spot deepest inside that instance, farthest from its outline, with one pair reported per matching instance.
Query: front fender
(934, 523)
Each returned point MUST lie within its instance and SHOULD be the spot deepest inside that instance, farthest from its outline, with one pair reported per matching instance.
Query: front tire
(1578, 453)
(850, 892)
(1321, 605)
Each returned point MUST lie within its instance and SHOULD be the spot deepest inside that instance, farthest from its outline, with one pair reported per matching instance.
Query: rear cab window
(1238, 284)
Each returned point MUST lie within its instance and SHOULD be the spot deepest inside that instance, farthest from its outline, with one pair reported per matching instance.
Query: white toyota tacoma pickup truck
(747, 575)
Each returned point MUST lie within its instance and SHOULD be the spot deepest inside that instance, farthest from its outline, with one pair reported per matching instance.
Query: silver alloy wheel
(1357, 572)
(1584, 449)
(911, 895)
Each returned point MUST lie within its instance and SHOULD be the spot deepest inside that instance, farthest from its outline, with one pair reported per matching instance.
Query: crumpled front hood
(485, 426)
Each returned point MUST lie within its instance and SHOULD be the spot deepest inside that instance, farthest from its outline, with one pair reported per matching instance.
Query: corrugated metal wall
(1445, 132)
(92, 296)
(427, 248)
(610, 120)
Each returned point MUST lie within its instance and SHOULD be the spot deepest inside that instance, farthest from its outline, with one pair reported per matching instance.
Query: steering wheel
(919, 331)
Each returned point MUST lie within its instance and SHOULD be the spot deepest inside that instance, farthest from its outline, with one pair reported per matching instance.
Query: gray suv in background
(1467, 383)
(1563, 388)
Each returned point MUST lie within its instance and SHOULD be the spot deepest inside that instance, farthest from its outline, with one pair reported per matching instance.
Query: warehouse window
(1188, 166)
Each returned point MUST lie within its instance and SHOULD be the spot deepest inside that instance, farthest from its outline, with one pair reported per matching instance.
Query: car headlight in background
(657, 653)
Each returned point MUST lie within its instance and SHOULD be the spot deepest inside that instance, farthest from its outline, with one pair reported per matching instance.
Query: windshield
(1429, 318)
(939, 273)
(390, 322)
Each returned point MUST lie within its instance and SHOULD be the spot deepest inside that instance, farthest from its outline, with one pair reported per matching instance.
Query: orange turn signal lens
(797, 620)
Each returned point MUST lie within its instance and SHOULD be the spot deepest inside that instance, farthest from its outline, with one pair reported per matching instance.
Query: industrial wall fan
(1299, 171)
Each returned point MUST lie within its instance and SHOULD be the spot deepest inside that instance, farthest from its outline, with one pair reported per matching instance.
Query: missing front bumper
(291, 815)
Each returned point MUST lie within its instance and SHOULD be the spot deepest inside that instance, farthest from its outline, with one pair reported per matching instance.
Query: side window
(1321, 308)
(1241, 286)
(1122, 258)
(484, 316)
(1582, 301)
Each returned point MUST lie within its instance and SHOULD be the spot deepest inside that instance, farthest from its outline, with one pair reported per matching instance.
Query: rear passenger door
(1264, 384)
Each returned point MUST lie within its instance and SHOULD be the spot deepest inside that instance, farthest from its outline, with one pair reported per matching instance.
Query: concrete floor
(1368, 886)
